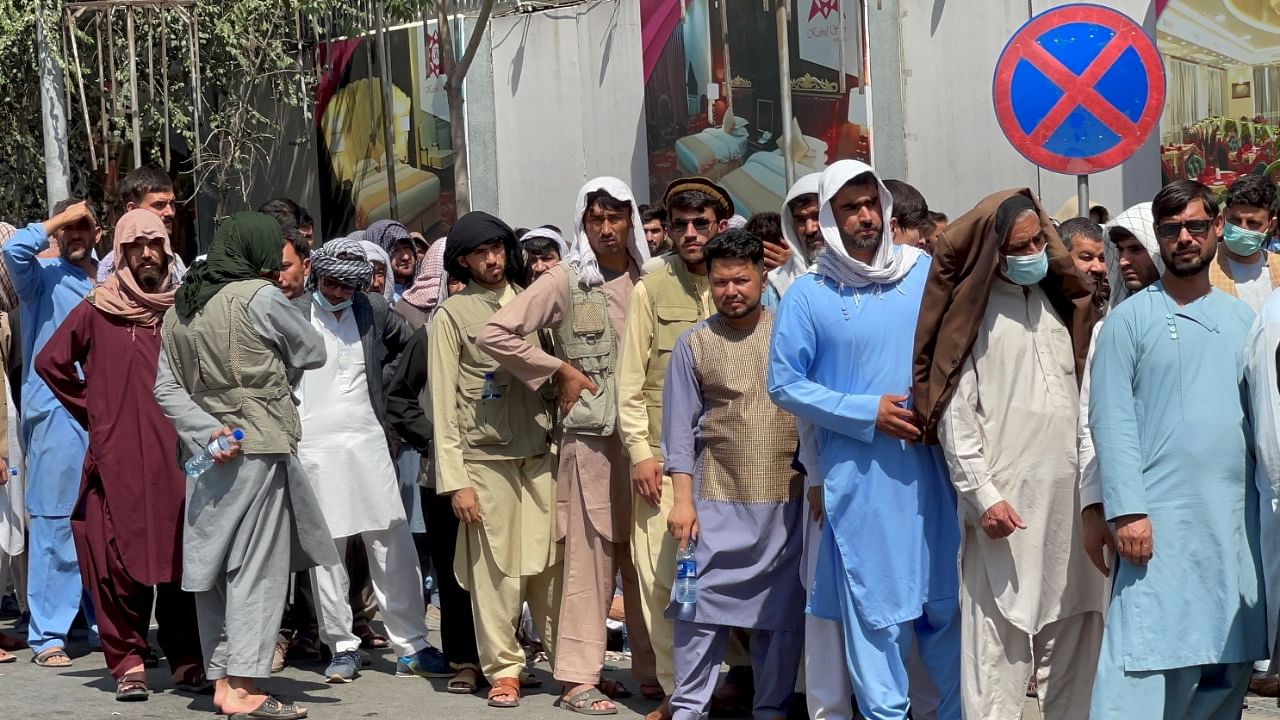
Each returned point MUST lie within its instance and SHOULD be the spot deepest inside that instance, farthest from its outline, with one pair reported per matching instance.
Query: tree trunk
(455, 73)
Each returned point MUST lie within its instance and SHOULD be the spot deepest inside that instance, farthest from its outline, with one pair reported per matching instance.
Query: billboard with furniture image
(1222, 107)
(357, 178)
(715, 93)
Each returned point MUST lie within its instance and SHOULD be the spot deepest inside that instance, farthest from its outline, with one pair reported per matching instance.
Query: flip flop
(272, 709)
(505, 686)
(7, 657)
(45, 658)
(582, 702)
(133, 687)
(461, 684)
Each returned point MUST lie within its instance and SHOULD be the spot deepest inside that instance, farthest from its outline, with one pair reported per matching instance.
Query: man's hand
(647, 476)
(1133, 539)
(815, 503)
(225, 456)
(897, 421)
(572, 383)
(1097, 535)
(1000, 520)
(775, 255)
(682, 523)
(4, 472)
(466, 505)
(70, 216)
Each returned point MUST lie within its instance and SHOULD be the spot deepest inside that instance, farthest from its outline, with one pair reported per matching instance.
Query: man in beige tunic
(1029, 599)
(584, 301)
(672, 296)
(492, 457)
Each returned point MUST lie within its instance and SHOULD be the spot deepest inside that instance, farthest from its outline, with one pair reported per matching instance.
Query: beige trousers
(653, 550)
(997, 659)
(497, 599)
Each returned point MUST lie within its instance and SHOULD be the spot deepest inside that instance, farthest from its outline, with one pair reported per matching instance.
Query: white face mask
(323, 302)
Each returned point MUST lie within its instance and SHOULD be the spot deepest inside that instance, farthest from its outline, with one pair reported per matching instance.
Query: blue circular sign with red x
(1078, 89)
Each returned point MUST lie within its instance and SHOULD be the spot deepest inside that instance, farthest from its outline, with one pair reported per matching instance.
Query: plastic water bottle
(492, 390)
(686, 576)
(198, 464)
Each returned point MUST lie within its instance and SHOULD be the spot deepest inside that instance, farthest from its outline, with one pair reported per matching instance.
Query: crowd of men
(921, 467)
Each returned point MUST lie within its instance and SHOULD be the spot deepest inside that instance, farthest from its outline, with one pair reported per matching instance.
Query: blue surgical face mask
(331, 307)
(1241, 241)
(1027, 270)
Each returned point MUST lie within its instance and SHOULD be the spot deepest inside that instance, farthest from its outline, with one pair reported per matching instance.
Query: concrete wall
(951, 146)
(568, 105)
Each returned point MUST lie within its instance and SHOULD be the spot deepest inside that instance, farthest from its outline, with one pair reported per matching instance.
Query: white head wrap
(891, 262)
(581, 257)
(550, 234)
(377, 254)
(1139, 221)
(800, 260)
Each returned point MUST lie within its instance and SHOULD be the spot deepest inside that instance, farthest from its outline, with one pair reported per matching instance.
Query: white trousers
(827, 689)
(13, 573)
(997, 659)
(397, 586)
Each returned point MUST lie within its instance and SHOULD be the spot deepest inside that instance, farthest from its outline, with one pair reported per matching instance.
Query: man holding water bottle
(227, 345)
(737, 497)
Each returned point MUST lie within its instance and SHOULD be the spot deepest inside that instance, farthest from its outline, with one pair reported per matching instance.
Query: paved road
(85, 691)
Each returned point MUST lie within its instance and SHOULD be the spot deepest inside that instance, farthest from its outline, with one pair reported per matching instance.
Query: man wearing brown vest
(1242, 267)
(671, 297)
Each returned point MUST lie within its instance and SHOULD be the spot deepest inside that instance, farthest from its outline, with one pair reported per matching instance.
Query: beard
(857, 242)
(150, 277)
(742, 311)
(74, 254)
(1187, 268)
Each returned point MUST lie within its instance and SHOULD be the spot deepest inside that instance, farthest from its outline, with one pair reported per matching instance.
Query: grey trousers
(699, 650)
(240, 615)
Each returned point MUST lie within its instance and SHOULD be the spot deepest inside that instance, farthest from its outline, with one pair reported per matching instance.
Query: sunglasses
(1196, 228)
(700, 224)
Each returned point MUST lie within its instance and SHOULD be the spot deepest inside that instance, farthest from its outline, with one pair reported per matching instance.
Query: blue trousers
(1199, 692)
(878, 659)
(699, 650)
(54, 588)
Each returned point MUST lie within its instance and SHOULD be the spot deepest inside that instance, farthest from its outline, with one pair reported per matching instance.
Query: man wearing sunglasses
(1243, 268)
(672, 296)
(1187, 616)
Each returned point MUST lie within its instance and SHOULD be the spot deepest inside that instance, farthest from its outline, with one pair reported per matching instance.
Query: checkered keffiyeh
(8, 295)
(343, 260)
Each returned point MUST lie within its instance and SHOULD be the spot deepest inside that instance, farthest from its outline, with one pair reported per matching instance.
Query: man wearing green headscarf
(229, 346)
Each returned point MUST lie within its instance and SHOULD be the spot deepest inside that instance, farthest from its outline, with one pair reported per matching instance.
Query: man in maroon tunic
(127, 521)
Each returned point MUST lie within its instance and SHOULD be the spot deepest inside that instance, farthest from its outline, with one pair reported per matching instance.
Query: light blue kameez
(1171, 426)
(54, 442)
(887, 562)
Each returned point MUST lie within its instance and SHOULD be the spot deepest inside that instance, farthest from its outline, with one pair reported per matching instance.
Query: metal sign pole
(1082, 195)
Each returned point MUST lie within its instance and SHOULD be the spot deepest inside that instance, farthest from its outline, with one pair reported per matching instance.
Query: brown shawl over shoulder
(965, 262)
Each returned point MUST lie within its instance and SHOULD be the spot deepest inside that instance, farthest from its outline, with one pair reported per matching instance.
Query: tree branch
(473, 42)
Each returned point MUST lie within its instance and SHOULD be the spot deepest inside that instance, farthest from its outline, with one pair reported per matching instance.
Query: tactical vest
(231, 373)
(515, 424)
(1220, 271)
(677, 306)
(586, 340)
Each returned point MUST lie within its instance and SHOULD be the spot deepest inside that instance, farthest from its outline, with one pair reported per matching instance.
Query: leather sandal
(465, 681)
(133, 687)
(505, 687)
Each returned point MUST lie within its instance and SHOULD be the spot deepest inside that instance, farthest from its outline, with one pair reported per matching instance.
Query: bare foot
(597, 705)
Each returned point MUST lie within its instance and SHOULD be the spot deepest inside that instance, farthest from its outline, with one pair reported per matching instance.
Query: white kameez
(343, 448)
(13, 508)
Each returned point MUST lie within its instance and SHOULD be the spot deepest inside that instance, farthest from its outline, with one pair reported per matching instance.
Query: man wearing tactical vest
(671, 297)
(227, 345)
(584, 301)
(493, 457)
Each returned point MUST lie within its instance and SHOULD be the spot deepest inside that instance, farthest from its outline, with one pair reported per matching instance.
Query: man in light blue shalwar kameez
(841, 360)
(1171, 426)
(55, 443)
